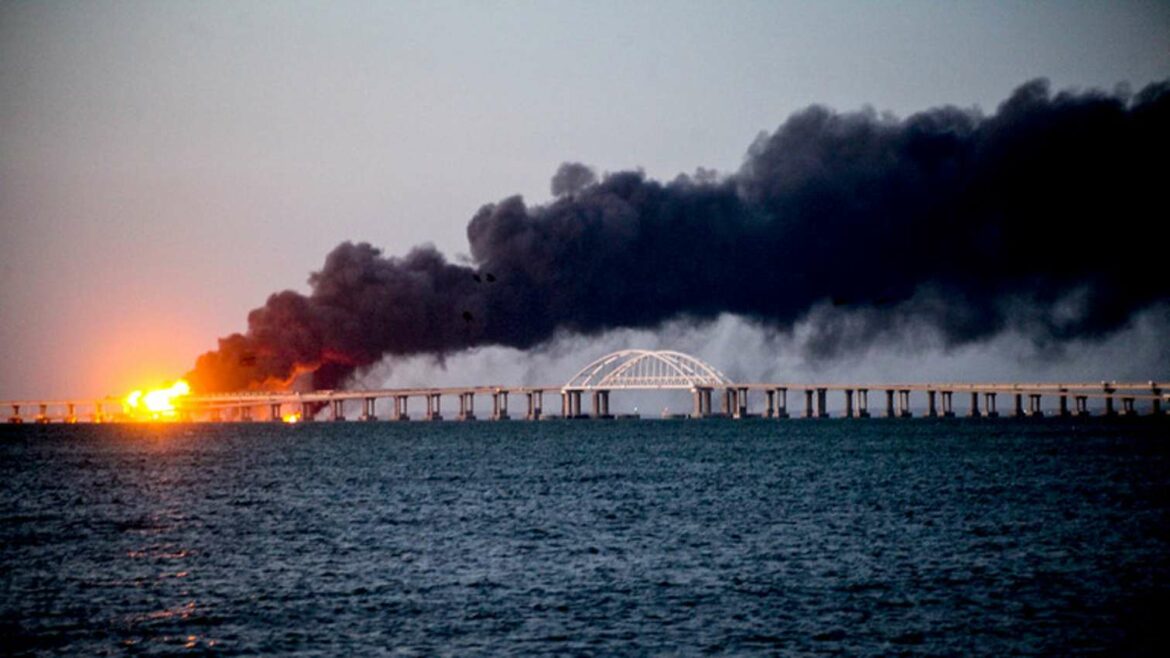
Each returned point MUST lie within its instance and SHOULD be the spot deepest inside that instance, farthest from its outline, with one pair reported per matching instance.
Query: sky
(165, 166)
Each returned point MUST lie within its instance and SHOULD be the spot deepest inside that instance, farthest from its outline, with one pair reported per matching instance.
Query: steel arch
(647, 369)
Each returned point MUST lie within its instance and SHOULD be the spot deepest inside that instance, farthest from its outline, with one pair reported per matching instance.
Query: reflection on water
(871, 537)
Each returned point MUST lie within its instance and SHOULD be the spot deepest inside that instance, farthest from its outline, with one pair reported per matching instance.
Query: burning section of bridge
(157, 403)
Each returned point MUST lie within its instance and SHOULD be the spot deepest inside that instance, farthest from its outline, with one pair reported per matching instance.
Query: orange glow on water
(157, 403)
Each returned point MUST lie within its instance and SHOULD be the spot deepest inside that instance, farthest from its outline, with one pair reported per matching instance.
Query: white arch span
(647, 369)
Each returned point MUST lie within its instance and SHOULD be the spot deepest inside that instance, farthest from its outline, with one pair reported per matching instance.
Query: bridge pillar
(42, 414)
(1109, 410)
(534, 402)
(500, 404)
(989, 405)
(434, 408)
(848, 403)
(1034, 410)
(863, 403)
(466, 406)
(1082, 405)
(822, 407)
(769, 403)
(904, 404)
(306, 412)
(808, 403)
(728, 404)
(16, 419)
(401, 409)
(1062, 408)
(782, 403)
(948, 407)
(973, 412)
(931, 409)
(368, 412)
(1156, 403)
(1127, 407)
(274, 414)
(338, 410)
(245, 414)
(71, 413)
(1018, 407)
(601, 404)
(99, 412)
(702, 402)
(742, 398)
(889, 403)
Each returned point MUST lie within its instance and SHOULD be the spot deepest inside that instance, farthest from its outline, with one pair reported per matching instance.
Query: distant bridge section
(633, 370)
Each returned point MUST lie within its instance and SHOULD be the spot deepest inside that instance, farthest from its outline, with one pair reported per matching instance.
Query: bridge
(634, 370)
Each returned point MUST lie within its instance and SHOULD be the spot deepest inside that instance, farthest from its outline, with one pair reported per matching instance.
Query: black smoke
(1045, 218)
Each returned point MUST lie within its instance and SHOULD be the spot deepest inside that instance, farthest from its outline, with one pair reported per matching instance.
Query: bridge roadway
(275, 405)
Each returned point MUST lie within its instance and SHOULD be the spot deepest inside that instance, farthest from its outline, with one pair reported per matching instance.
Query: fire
(291, 418)
(158, 403)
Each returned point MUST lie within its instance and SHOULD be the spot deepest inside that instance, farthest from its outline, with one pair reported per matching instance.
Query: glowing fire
(291, 418)
(156, 404)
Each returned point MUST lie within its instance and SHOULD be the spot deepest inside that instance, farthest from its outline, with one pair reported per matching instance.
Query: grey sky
(164, 166)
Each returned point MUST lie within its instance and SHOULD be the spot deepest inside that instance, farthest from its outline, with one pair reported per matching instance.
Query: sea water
(856, 537)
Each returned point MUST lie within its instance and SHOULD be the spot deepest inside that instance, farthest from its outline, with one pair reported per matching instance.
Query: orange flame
(291, 418)
(157, 403)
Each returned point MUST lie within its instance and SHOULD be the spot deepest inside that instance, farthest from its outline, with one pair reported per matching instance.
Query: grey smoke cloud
(1038, 219)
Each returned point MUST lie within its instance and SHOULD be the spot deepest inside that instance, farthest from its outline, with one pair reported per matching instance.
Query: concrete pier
(1082, 405)
(1127, 407)
(338, 410)
(1109, 410)
(436, 402)
(904, 404)
(601, 405)
(1018, 407)
(822, 404)
(890, 403)
(989, 410)
(368, 413)
(401, 412)
(702, 402)
(535, 401)
(931, 408)
(808, 403)
(500, 404)
(781, 402)
(973, 411)
(1034, 410)
(849, 403)
(466, 405)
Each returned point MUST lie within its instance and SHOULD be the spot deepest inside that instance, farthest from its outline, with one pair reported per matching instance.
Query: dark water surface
(594, 538)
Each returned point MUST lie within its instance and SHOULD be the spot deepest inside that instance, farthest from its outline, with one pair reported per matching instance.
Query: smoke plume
(1042, 218)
